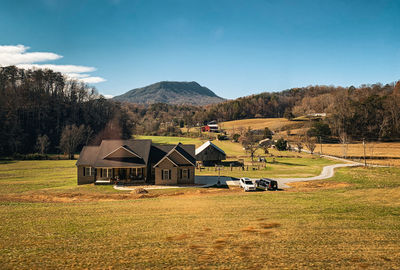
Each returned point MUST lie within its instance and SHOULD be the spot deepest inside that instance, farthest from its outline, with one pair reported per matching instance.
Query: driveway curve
(327, 172)
(207, 181)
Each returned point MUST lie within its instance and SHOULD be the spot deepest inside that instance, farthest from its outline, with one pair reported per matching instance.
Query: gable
(178, 158)
(208, 147)
(122, 152)
(165, 163)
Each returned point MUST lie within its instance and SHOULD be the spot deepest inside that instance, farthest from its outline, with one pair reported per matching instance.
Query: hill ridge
(171, 92)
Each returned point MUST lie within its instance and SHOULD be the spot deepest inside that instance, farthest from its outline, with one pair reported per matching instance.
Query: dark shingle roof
(139, 147)
(96, 156)
(88, 155)
(187, 151)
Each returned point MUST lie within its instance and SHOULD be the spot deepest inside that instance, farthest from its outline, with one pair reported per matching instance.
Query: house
(316, 115)
(136, 161)
(209, 153)
(211, 127)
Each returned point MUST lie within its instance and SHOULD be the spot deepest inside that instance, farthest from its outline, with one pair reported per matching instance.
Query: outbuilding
(209, 154)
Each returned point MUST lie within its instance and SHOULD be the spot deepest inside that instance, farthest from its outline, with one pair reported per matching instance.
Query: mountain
(172, 93)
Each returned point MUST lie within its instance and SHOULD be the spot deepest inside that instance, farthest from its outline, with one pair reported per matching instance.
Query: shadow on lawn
(287, 163)
(6, 161)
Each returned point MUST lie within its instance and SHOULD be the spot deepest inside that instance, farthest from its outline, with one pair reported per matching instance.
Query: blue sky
(235, 48)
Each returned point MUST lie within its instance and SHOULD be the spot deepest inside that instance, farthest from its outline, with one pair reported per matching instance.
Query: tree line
(37, 105)
(368, 111)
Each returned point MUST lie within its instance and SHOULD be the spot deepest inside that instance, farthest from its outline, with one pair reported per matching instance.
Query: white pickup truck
(246, 184)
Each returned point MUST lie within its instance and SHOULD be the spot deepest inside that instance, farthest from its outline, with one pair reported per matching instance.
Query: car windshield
(248, 182)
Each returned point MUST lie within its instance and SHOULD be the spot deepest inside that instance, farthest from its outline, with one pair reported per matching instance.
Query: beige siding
(189, 179)
(172, 181)
(121, 153)
(166, 164)
(175, 174)
(178, 158)
(84, 179)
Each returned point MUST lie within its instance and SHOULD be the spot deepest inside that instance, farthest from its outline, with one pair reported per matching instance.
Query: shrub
(35, 156)
(235, 137)
(281, 144)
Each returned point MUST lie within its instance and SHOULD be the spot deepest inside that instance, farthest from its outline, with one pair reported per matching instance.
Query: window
(88, 171)
(185, 174)
(166, 174)
(106, 173)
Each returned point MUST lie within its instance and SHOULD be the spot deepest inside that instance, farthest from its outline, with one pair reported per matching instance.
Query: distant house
(209, 153)
(211, 127)
(136, 161)
(316, 114)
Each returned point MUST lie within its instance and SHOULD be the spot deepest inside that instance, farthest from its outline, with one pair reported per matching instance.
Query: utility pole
(365, 160)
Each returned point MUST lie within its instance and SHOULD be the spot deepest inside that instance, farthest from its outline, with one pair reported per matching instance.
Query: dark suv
(266, 183)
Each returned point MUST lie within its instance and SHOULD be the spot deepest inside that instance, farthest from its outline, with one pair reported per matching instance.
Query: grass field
(257, 123)
(284, 167)
(287, 164)
(351, 221)
(382, 153)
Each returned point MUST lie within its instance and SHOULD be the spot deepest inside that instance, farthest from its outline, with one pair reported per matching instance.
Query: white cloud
(17, 55)
(14, 55)
(93, 80)
(108, 96)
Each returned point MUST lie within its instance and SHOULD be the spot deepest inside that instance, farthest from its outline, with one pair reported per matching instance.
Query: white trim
(163, 174)
(163, 159)
(126, 149)
(207, 144)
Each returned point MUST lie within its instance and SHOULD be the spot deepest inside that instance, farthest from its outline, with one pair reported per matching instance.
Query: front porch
(125, 176)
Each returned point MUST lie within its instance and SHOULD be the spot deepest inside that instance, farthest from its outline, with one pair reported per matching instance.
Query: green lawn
(171, 140)
(284, 167)
(351, 227)
(48, 176)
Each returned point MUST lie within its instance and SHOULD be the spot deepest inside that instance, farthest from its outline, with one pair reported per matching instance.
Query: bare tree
(265, 145)
(42, 144)
(71, 137)
(310, 143)
(299, 146)
(344, 140)
(250, 143)
(88, 134)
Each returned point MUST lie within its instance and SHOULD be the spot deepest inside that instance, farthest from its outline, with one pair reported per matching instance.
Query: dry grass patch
(374, 149)
(308, 186)
(269, 225)
(257, 123)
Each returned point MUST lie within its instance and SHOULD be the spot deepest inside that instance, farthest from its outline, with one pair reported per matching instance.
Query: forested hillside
(42, 102)
(369, 111)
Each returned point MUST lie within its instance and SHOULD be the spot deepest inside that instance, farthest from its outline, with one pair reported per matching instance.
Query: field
(257, 123)
(279, 164)
(377, 152)
(350, 221)
(283, 167)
